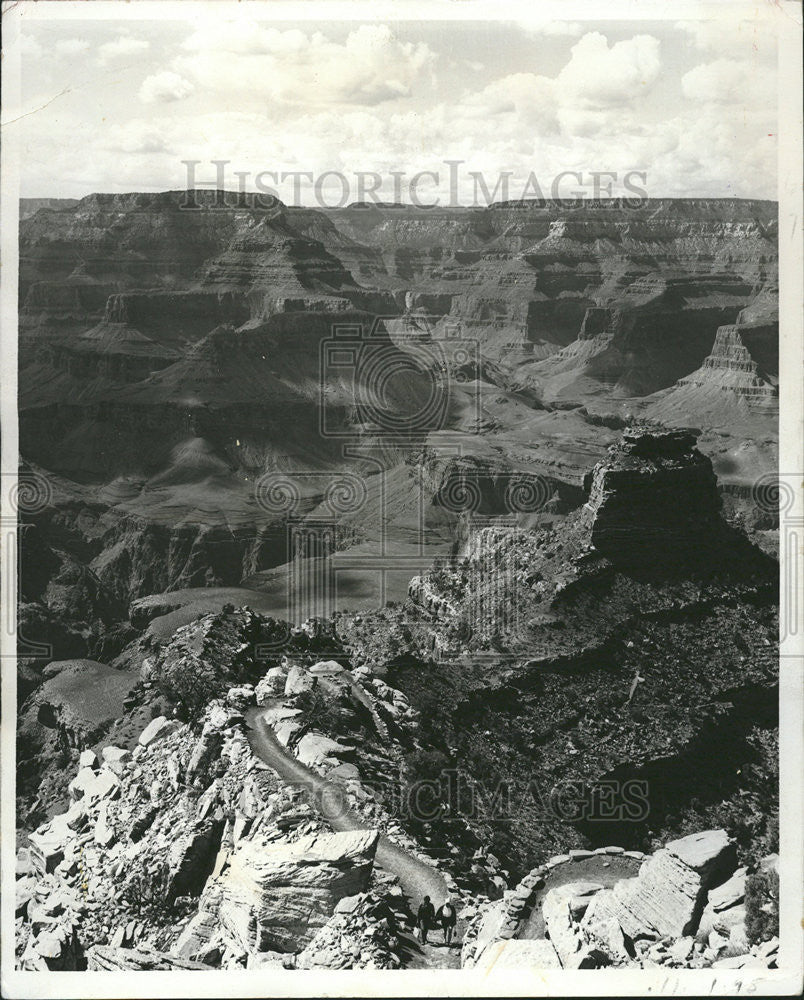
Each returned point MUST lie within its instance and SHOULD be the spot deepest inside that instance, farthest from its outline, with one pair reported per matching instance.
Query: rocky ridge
(111, 872)
(683, 909)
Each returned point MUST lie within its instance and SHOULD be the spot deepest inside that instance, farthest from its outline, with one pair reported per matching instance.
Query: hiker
(424, 918)
(446, 916)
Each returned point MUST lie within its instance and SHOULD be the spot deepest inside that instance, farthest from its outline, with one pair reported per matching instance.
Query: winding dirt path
(416, 878)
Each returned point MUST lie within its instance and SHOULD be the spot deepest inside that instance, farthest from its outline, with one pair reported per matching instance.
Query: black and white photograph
(402, 515)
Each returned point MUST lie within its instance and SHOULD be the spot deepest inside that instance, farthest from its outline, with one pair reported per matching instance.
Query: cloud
(135, 136)
(164, 87)
(529, 99)
(726, 81)
(71, 46)
(592, 94)
(294, 69)
(598, 76)
(303, 99)
(121, 48)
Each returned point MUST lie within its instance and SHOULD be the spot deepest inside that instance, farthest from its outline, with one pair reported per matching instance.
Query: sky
(118, 105)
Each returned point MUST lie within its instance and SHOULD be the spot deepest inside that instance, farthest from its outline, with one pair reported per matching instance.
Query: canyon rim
(402, 509)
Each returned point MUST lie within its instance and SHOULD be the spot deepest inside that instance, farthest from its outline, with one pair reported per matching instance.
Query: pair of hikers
(428, 918)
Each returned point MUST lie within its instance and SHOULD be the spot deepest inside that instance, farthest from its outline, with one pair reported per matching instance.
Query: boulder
(729, 893)
(191, 856)
(563, 929)
(667, 897)
(242, 696)
(681, 950)
(92, 787)
(55, 948)
(326, 668)
(157, 729)
(147, 669)
(76, 816)
(48, 844)
(115, 759)
(359, 937)
(344, 772)
(88, 759)
(267, 960)
(488, 923)
(25, 892)
(272, 685)
(710, 853)
(273, 716)
(197, 935)
(314, 749)
(207, 748)
(104, 835)
(276, 894)
(298, 680)
(286, 730)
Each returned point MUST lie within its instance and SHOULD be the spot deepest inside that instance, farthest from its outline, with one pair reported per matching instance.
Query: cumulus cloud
(725, 81)
(296, 69)
(597, 75)
(555, 29)
(527, 100)
(136, 136)
(120, 48)
(593, 93)
(164, 87)
(366, 99)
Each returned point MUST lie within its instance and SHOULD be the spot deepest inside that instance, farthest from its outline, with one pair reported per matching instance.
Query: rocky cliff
(654, 496)
(682, 907)
(171, 347)
(737, 382)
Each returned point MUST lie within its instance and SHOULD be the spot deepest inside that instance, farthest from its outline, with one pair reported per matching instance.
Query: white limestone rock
(115, 759)
(274, 895)
(314, 749)
(272, 685)
(157, 729)
(668, 895)
(298, 680)
(564, 931)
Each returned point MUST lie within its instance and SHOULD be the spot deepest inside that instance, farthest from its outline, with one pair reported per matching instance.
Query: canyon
(353, 498)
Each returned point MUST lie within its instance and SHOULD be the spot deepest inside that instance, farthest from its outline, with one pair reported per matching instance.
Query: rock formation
(275, 897)
(648, 917)
(225, 789)
(652, 495)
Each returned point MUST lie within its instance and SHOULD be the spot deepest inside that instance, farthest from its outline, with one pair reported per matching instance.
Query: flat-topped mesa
(654, 496)
(732, 362)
